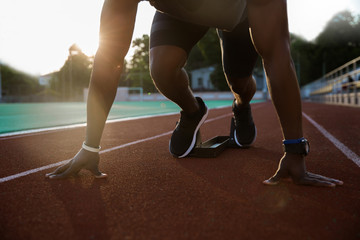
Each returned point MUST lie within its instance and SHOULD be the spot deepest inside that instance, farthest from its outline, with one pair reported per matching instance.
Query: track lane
(151, 195)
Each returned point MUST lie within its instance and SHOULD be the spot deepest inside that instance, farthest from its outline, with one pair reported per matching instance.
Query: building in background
(44, 80)
(200, 79)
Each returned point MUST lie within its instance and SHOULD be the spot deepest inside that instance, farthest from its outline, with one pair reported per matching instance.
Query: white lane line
(344, 149)
(135, 142)
(217, 118)
(33, 132)
(22, 174)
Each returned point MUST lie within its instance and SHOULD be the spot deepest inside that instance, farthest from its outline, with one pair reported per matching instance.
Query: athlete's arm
(270, 34)
(116, 29)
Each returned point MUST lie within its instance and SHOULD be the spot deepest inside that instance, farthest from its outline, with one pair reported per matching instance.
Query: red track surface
(151, 195)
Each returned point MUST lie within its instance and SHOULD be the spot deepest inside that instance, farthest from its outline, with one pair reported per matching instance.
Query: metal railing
(340, 86)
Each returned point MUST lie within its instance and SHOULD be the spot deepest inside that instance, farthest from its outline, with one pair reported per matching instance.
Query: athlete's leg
(167, 71)
(171, 41)
(239, 57)
(269, 29)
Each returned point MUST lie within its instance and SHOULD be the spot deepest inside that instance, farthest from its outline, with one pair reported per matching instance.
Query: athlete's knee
(278, 50)
(242, 85)
(163, 67)
(162, 73)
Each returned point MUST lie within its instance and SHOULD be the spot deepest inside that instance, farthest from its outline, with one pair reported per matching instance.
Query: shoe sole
(194, 136)
(244, 145)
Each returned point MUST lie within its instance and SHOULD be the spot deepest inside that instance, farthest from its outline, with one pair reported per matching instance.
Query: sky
(35, 35)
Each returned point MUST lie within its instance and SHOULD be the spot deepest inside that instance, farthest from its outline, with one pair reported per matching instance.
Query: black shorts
(238, 53)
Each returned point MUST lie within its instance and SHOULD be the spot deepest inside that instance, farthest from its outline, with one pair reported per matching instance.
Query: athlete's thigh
(167, 30)
(269, 27)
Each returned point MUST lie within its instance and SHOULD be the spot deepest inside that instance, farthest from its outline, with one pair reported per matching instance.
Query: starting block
(211, 148)
(214, 146)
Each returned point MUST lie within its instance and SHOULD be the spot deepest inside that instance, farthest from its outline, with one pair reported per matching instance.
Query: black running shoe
(183, 138)
(245, 130)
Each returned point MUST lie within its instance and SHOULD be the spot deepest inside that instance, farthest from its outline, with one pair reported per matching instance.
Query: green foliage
(305, 59)
(340, 40)
(17, 83)
(207, 52)
(218, 79)
(137, 72)
(337, 44)
(140, 59)
(339, 31)
(210, 48)
(74, 75)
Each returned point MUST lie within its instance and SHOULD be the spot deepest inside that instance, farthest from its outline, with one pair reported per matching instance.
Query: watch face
(306, 147)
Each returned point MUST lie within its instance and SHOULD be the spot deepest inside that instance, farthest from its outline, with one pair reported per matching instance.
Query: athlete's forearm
(102, 91)
(116, 29)
(285, 95)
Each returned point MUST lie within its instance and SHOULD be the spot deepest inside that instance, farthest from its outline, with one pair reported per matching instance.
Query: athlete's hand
(82, 160)
(292, 166)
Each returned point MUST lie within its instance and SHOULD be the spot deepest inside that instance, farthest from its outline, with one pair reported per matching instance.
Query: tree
(340, 40)
(339, 31)
(17, 83)
(304, 55)
(73, 76)
(337, 44)
(137, 73)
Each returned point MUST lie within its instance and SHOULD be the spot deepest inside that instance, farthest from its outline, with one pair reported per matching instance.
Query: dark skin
(270, 36)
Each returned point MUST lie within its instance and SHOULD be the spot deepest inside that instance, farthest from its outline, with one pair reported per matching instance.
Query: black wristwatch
(297, 146)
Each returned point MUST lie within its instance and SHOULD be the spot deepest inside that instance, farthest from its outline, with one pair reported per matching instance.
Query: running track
(151, 195)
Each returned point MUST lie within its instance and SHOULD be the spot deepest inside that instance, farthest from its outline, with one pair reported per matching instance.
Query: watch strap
(296, 146)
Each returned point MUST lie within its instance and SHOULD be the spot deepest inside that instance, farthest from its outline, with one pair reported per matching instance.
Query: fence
(340, 86)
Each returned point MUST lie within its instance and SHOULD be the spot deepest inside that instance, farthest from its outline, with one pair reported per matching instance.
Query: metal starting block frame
(214, 146)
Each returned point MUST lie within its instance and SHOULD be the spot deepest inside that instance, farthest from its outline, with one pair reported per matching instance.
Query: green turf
(25, 116)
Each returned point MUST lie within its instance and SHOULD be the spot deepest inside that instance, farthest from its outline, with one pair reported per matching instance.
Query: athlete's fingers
(101, 175)
(60, 169)
(94, 169)
(275, 180)
(70, 171)
(75, 167)
(309, 181)
(271, 181)
(323, 178)
(97, 173)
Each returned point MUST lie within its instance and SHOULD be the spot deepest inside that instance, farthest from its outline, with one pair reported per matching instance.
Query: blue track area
(25, 116)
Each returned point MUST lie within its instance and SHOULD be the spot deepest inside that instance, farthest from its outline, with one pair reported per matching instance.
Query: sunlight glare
(308, 18)
(36, 35)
